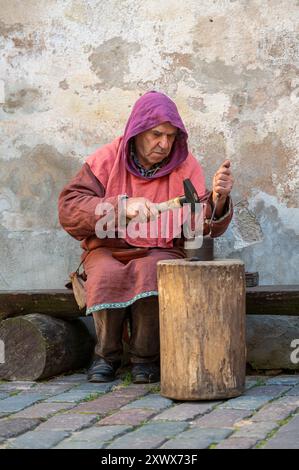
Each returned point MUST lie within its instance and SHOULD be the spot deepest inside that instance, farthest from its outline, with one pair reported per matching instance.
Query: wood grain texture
(202, 329)
(39, 346)
(260, 300)
(57, 303)
(273, 300)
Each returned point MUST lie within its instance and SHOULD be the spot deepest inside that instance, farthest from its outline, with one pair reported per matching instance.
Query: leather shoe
(145, 373)
(102, 371)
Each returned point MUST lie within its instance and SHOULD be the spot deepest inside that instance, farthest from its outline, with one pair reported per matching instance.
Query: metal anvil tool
(206, 251)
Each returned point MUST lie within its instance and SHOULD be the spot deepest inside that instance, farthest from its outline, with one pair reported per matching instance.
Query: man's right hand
(140, 208)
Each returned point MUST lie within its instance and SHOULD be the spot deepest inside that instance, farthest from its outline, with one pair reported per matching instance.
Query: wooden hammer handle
(171, 204)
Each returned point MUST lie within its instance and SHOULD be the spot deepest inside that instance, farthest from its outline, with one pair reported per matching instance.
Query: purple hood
(151, 110)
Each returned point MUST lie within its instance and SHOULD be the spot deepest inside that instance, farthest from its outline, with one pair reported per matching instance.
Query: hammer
(190, 197)
(205, 252)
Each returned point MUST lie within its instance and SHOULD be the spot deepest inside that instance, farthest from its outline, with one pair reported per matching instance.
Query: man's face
(154, 145)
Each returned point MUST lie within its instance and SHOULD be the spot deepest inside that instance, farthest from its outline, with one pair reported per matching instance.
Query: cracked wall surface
(70, 72)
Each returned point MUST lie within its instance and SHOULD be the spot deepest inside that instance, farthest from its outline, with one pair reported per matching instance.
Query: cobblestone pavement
(67, 412)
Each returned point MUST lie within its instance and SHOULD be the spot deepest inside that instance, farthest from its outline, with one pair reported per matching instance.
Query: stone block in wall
(271, 341)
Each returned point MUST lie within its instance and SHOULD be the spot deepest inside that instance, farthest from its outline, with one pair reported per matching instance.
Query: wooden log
(39, 346)
(59, 303)
(202, 328)
(273, 300)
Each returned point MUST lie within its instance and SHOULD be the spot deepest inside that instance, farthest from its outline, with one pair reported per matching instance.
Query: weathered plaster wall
(70, 72)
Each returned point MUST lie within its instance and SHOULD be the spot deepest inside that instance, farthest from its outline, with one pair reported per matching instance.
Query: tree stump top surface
(215, 262)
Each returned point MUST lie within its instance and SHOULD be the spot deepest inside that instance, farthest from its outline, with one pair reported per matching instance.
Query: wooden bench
(261, 300)
(273, 300)
(47, 327)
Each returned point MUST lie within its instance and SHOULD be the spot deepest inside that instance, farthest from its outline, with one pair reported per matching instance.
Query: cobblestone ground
(67, 412)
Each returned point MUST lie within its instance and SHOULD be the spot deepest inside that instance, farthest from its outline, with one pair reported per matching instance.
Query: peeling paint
(78, 12)
(245, 227)
(30, 188)
(24, 99)
(267, 164)
(276, 255)
(110, 60)
(6, 30)
(64, 84)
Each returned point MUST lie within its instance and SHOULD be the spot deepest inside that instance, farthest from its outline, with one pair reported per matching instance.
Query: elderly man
(146, 166)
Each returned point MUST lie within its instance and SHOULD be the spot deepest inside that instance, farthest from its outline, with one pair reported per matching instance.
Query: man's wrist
(222, 205)
(219, 198)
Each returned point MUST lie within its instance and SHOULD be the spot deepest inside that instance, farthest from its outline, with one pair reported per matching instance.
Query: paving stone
(287, 437)
(186, 411)
(67, 444)
(19, 402)
(257, 377)
(66, 379)
(284, 380)
(72, 396)
(16, 385)
(37, 440)
(149, 436)
(267, 390)
(43, 410)
(246, 402)
(197, 438)
(3, 395)
(289, 400)
(68, 422)
(237, 443)
(95, 387)
(138, 387)
(254, 429)
(52, 389)
(152, 401)
(275, 411)
(10, 427)
(115, 395)
(293, 391)
(132, 391)
(250, 382)
(132, 417)
(103, 405)
(94, 438)
(221, 418)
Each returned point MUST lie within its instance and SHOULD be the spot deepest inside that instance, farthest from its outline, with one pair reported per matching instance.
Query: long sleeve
(218, 226)
(78, 201)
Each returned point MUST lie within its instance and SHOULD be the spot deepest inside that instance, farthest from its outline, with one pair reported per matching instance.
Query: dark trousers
(144, 343)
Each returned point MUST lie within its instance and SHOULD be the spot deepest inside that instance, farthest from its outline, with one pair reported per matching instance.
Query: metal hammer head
(190, 195)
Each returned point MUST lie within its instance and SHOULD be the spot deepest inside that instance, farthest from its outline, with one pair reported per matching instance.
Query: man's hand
(141, 208)
(223, 181)
(222, 185)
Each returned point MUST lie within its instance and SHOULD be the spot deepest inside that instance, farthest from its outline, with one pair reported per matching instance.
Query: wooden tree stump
(39, 346)
(202, 328)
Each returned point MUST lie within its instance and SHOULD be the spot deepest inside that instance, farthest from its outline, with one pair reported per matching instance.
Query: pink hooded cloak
(111, 172)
